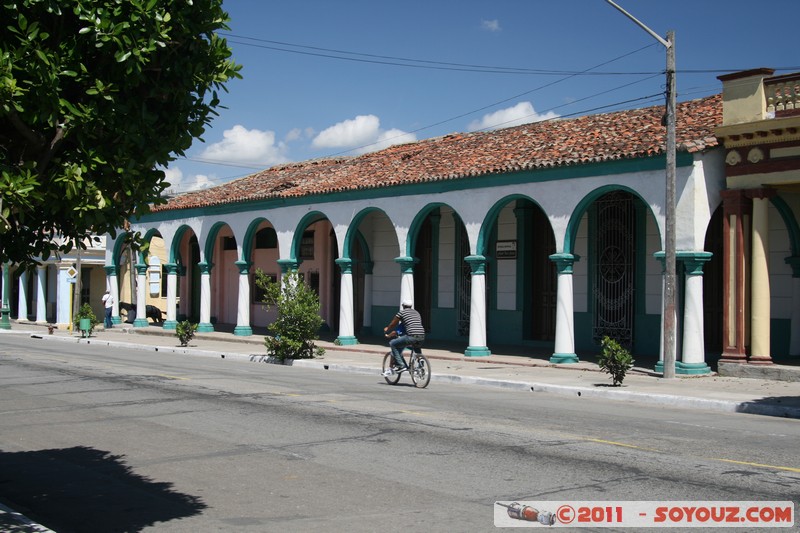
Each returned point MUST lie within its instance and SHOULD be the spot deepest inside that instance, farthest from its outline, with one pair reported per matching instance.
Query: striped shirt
(412, 321)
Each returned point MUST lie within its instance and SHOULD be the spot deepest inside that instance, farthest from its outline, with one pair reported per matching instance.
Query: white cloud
(354, 132)
(522, 113)
(491, 25)
(297, 134)
(179, 183)
(363, 133)
(243, 146)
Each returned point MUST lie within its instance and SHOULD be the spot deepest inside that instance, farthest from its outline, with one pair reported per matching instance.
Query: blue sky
(324, 78)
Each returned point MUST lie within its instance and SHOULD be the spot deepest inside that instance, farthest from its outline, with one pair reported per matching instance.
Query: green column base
(347, 340)
(242, 331)
(116, 320)
(170, 325)
(5, 321)
(477, 351)
(141, 323)
(659, 367)
(691, 368)
(206, 327)
(564, 358)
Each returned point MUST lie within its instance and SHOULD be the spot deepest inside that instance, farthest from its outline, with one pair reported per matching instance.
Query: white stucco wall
(580, 268)
(507, 269)
(447, 260)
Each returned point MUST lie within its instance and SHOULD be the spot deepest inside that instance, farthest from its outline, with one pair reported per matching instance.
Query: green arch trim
(250, 234)
(791, 223)
(119, 244)
(309, 218)
(175, 245)
(354, 234)
(413, 230)
(490, 220)
(575, 219)
(148, 236)
(208, 247)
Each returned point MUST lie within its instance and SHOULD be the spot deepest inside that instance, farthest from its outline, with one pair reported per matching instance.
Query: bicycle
(418, 367)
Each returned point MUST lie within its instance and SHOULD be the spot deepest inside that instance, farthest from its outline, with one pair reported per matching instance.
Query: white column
(172, 296)
(22, 304)
(64, 290)
(41, 304)
(367, 325)
(112, 283)
(565, 314)
(346, 312)
(406, 278)
(243, 328)
(477, 307)
(760, 290)
(205, 298)
(693, 358)
(141, 297)
(5, 319)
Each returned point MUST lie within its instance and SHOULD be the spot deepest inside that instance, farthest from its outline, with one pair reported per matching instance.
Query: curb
(760, 408)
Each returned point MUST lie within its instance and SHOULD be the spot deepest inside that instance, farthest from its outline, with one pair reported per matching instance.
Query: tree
(298, 322)
(95, 96)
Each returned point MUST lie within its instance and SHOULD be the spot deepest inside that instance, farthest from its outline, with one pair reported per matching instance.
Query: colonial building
(45, 294)
(547, 235)
(761, 237)
(542, 235)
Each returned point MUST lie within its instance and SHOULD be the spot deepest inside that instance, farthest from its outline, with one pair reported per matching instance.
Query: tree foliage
(95, 96)
(614, 360)
(298, 322)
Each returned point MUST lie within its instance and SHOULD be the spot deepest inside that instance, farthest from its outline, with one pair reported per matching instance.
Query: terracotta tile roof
(549, 144)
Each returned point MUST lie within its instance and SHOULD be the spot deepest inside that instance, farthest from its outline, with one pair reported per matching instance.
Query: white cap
(407, 303)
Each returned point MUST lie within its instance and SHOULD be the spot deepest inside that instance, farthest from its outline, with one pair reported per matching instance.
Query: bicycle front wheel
(420, 371)
(387, 364)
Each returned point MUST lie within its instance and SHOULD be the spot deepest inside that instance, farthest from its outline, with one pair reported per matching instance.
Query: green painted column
(346, 310)
(243, 328)
(565, 316)
(172, 296)
(477, 307)
(205, 324)
(141, 301)
(692, 360)
(5, 310)
(112, 282)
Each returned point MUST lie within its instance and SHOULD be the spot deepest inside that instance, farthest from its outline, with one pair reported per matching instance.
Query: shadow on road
(84, 489)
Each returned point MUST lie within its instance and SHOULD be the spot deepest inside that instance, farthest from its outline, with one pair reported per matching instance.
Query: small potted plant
(85, 320)
(185, 331)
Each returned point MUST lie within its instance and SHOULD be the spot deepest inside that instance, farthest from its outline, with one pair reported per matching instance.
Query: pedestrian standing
(108, 302)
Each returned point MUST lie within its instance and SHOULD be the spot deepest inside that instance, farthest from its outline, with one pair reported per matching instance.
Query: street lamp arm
(655, 36)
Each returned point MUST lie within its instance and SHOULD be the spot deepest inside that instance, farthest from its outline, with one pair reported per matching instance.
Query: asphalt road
(93, 439)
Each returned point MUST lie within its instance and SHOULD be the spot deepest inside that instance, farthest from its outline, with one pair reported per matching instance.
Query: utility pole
(669, 215)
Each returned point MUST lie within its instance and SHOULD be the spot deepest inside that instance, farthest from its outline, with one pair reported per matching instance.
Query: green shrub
(614, 359)
(185, 331)
(85, 311)
(297, 325)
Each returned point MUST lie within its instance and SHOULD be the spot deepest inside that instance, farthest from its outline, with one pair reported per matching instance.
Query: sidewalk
(507, 368)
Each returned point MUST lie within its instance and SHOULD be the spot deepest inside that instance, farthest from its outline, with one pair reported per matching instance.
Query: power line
(413, 63)
(332, 53)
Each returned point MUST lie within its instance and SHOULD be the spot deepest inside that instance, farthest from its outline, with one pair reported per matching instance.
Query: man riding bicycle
(415, 333)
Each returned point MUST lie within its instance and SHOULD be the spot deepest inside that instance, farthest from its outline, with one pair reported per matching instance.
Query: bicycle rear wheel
(420, 371)
(388, 360)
